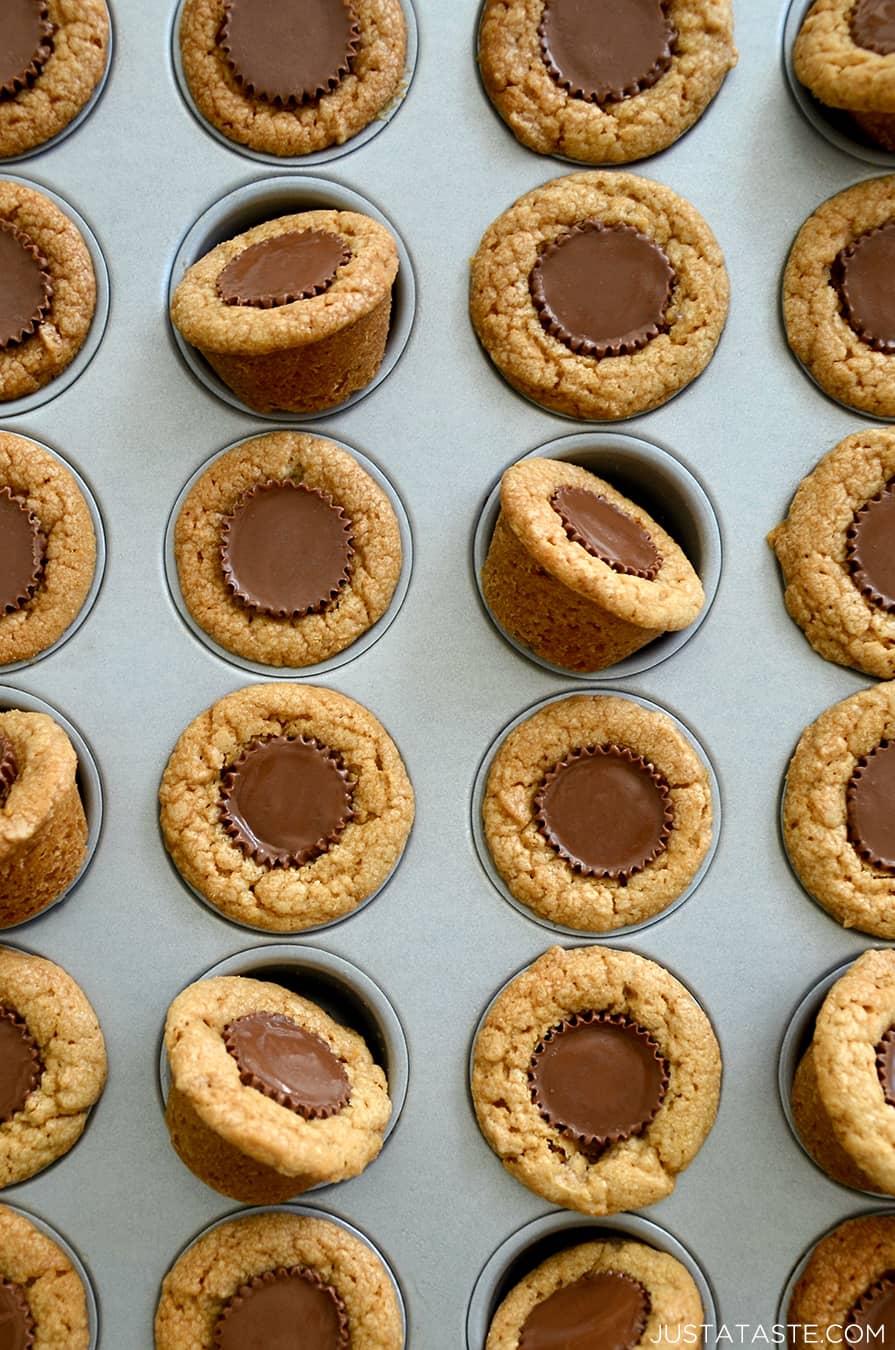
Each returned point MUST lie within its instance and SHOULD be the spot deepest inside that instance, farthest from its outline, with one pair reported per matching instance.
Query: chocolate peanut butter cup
(285, 268)
(289, 52)
(606, 810)
(9, 768)
(869, 798)
(597, 1078)
(608, 52)
(288, 1064)
(285, 800)
(25, 286)
(602, 290)
(606, 1310)
(270, 1309)
(885, 1064)
(606, 532)
(286, 550)
(22, 546)
(16, 1323)
(870, 548)
(872, 26)
(27, 44)
(874, 1311)
(20, 1066)
(864, 275)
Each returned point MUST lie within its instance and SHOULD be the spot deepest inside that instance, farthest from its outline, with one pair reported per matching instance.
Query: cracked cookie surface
(53, 1289)
(637, 1171)
(548, 118)
(842, 1267)
(836, 69)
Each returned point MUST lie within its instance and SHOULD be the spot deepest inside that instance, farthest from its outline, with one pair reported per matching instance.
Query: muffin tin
(136, 424)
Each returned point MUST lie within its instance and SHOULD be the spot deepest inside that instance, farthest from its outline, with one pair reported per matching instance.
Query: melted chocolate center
(872, 25)
(19, 1065)
(864, 274)
(875, 1311)
(284, 1310)
(608, 533)
(283, 269)
(598, 1078)
(885, 1064)
(286, 550)
(284, 801)
(870, 548)
(24, 44)
(604, 1311)
(289, 51)
(870, 807)
(606, 50)
(283, 1061)
(602, 290)
(25, 288)
(16, 1322)
(606, 810)
(21, 552)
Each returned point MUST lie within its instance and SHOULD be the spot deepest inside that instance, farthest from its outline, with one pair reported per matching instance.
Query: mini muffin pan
(137, 417)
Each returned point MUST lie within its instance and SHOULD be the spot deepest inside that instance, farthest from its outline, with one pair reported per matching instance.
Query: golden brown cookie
(285, 871)
(56, 54)
(570, 1128)
(254, 595)
(560, 301)
(208, 1282)
(43, 1295)
(597, 812)
(269, 1096)
(838, 302)
(43, 829)
(837, 810)
(349, 85)
(578, 572)
(43, 512)
(614, 1288)
(846, 1287)
(563, 93)
(845, 55)
(815, 1129)
(49, 291)
(294, 313)
(53, 1063)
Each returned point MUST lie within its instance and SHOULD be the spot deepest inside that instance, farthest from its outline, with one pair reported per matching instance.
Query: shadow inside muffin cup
(834, 124)
(342, 990)
(537, 1241)
(80, 1269)
(87, 778)
(662, 486)
(268, 199)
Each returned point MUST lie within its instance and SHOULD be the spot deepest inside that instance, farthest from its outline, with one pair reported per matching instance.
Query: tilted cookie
(846, 1290)
(595, 1079)
(845, 55)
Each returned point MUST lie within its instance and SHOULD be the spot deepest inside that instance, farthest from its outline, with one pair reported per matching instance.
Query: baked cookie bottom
(641, 1169)
(67, 81)
(543, 368)
(375, 79)
(534, 872)
(673, 1297)
(202, 1281)
(815, 829)
(545, 117)
(73, 1059)
(831, 351)
(838, 72)
(841, 1268)
(54, 1290)
(52, 494)
(287, 456)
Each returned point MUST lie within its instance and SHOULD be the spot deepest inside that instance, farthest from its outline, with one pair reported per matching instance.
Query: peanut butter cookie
(47, 549)
(839, 296)
(599, 295)
(845, 55)
(42, 1296)
(269, 1096)
(285, 805)
(256, 83)
(247, 1276)
(582, 1134)
(604, 85)
(53, 1065)
(838, 812)
(54, 56)
(614, 1291)
(846, 1291)
(580, 574)
(597, 812)
(287, 551)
